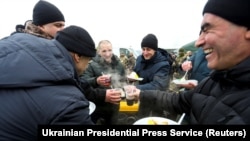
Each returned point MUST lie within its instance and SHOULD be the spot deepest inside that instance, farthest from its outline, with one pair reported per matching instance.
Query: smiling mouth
(208, 51)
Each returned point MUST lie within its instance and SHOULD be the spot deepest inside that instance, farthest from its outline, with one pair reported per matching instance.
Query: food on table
(151, 121)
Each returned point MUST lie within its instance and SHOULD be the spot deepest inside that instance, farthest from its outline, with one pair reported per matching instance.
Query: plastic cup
(123, 95)
(128, 91)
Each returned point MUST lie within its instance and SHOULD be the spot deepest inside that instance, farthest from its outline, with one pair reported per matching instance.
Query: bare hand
(136, 93)
(113, 96)
(103, 81)
(190, 85)
(187, 65)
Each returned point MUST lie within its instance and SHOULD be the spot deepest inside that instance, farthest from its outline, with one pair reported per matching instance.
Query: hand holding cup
(113, 96)
(129, 90)
(104, 80)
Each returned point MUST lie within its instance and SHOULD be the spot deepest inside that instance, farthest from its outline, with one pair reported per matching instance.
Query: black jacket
(222, 98)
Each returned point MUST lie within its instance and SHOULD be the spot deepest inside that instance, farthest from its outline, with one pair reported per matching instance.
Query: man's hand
(113, 96)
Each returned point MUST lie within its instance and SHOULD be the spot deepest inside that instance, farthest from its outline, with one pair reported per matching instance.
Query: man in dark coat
(39, 84)
(223, 97)
(154, 67)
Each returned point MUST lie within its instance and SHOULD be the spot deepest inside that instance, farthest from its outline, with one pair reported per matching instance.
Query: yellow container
(125, 108)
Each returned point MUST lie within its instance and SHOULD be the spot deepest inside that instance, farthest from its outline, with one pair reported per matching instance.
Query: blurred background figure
(176, 65)
(131, 63)
(196, 66)
(188, 55)
(124, 59)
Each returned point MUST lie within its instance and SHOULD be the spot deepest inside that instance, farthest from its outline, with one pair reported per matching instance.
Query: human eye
(59, 25)
(204, 28)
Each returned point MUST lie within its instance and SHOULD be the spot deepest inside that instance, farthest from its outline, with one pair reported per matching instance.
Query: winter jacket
(199, 69)
(38, 86)
(222, 98)
(155, 72)
(98, 66)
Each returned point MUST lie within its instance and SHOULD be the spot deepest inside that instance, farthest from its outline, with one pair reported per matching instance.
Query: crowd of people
(55, 71)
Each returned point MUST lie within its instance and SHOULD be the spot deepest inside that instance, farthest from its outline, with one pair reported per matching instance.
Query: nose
(108, 53)
(200, 41)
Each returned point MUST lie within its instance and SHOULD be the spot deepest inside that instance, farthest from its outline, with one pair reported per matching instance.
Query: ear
(76, 57)
(40, 27)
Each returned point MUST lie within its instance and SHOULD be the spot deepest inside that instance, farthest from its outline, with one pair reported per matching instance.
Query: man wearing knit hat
(47, 20)
(82, 48)
(154, 67)
(150, 41)
(41, 85)
(80, 45)
(224, 96)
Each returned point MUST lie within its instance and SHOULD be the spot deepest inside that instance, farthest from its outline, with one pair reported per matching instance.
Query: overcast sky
(123, 22)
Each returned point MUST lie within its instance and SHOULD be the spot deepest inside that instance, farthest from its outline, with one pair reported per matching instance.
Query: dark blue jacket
(155, 72)
(38, 85)
(199, 70)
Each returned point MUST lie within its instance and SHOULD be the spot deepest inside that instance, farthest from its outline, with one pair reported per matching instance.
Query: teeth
(207, 51)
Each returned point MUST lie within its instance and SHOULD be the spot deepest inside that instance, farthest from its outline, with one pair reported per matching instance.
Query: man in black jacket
(223, 97)
(81, 49)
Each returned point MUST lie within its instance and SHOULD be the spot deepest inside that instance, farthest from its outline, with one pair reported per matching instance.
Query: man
(40, 84)
(46, 22)
(81, 57)
(105, 62)
(223, 97)
(196, 67)
(96, 95)
(154, 67)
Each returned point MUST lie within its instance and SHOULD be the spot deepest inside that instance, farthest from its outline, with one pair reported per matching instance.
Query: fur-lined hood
(34, 30)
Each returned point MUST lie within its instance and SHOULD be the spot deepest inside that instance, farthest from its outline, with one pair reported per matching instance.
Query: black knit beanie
(45, 12)
(235, 11)
(150, 41)
(77, 40)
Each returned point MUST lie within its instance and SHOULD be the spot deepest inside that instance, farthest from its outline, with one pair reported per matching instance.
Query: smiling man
(223, 97)
(154, 67)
